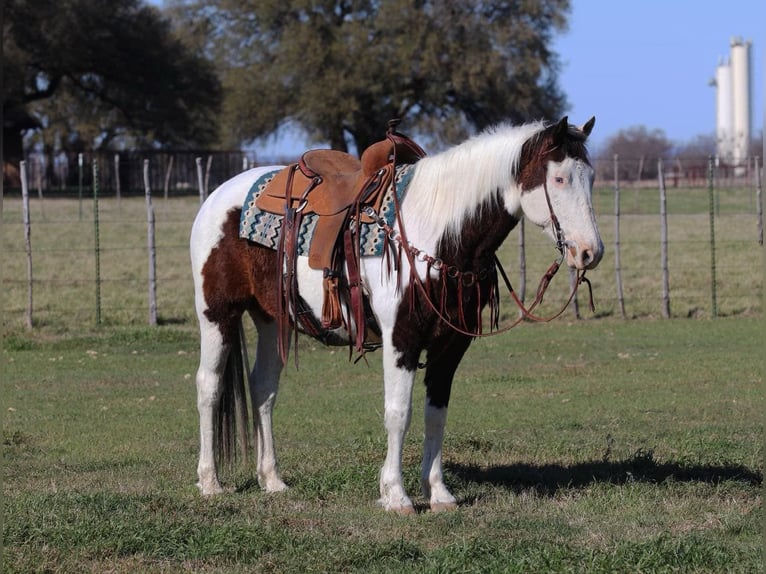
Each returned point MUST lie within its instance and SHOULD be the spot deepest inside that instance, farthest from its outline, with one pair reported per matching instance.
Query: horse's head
(556, 181)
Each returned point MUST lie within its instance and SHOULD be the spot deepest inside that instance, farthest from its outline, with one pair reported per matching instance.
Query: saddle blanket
(263, 228)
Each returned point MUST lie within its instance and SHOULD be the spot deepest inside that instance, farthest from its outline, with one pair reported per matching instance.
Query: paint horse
(457, 209)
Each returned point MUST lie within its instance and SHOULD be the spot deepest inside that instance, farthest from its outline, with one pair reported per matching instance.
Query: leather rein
(470, 278)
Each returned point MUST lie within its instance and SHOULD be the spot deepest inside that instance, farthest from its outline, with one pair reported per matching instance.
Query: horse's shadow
(547, 479)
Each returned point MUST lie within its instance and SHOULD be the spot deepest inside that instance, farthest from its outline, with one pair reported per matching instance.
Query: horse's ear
(561, 129)
(588, 126)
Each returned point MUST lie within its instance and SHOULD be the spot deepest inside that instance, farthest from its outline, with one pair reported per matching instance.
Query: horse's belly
(311, 290)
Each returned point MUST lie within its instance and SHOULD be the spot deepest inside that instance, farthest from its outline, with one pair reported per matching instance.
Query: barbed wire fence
(82, 251)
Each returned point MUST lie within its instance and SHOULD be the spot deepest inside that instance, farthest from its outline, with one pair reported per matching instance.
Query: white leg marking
(264, 383)
(398, 412)
(431, 476)
(211, 364)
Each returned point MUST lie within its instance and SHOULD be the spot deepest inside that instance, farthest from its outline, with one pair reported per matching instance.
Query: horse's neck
(479, 238)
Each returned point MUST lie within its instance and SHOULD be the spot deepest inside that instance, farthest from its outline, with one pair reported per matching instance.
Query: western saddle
(336, 187)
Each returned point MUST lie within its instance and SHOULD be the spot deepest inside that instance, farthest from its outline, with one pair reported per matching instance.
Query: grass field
(578, 446)
(596, 445)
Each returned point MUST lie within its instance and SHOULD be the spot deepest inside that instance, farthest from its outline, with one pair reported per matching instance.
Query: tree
(103, 73)
(639, 149)
(342, 68)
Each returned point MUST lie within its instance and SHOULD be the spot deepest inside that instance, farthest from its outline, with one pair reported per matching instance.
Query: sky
(649, 63)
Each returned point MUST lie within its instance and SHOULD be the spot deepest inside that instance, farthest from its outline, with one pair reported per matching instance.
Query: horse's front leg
(398, 412)
(442, 360)
(264, 383)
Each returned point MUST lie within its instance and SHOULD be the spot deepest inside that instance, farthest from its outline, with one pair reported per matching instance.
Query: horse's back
(208, 225)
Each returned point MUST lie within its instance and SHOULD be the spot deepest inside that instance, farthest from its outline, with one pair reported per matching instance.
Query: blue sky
(649, 62)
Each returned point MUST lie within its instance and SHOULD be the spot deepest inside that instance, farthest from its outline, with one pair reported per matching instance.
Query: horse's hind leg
(213, 354)
(264, 383)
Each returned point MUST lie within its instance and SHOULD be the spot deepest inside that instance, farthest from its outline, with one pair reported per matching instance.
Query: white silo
(741, 98)
(724, 112)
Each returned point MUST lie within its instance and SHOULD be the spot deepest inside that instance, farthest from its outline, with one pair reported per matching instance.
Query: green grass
(576, 446)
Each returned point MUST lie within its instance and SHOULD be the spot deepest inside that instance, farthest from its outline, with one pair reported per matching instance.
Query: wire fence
(84, 254)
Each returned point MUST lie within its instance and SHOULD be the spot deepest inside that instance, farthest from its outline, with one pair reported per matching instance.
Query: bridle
(412, 254)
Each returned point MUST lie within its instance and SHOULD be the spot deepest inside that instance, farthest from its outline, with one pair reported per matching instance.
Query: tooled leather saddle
(336, 187)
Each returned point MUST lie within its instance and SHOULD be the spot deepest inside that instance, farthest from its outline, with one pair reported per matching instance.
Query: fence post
(27, 239)
(39, 182)
(664, 241)
(573, 289)
(151, 248)
(617, 266)
(97, 241)
(168, 171)
(207, 173)
(712, 211)
(200, 181)
(117, 188)
(758, 195)
(522, 265)
(79, 184)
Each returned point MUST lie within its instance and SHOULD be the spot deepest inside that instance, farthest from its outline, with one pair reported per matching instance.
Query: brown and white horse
(458, 208)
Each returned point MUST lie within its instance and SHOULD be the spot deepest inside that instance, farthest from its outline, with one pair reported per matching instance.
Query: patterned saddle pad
(263, 228)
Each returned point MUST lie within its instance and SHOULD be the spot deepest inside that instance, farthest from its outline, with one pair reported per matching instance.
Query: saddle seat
(328, 183)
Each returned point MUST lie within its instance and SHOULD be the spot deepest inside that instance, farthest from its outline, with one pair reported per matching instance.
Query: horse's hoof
(275, 486)
(404, 510)
(443, 506)
(210, 489)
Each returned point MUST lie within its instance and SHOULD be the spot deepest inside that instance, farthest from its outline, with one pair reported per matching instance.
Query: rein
(470, 278)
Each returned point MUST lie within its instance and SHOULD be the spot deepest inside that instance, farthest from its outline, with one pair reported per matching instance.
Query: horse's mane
(458, 182)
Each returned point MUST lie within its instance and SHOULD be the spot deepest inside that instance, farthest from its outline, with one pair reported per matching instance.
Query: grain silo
(724, 114)
(734, 104)
(741, 98)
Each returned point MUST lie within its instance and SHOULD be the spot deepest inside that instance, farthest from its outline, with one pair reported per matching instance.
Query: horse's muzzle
(584, 255)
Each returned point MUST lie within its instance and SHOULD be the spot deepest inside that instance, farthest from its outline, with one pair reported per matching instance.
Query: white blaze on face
(570, 184)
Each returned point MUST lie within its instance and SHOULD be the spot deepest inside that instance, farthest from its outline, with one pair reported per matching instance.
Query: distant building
(734, 115)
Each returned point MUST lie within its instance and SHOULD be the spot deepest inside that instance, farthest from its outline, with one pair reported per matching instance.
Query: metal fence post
(151, 248)
(617, 265)
(712, 211)
(664, 241)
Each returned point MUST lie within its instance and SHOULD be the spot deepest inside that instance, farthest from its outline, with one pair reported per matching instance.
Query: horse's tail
(233, 422)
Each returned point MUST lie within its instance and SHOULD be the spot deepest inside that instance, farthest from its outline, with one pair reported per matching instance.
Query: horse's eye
(559, 180)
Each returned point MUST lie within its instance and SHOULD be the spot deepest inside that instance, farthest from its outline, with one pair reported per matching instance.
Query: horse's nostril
(587, 257)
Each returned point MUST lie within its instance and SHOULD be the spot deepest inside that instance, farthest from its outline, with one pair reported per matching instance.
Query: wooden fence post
(522, 265)
(97, 241)
(573, 289)
(207, 173)
(664, 241)
(200, 180)
(80, 162)
(117, 187)
(27, 239)
(168, 171)
(758, 199)
(712, 210)
(150, 245)
(39, 182)
(617, 266)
